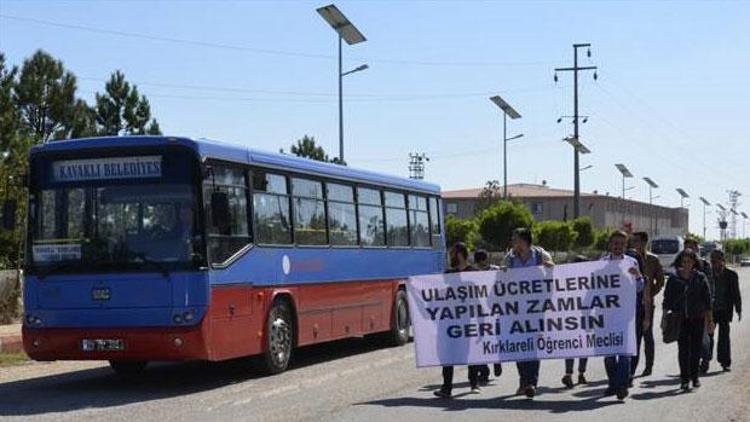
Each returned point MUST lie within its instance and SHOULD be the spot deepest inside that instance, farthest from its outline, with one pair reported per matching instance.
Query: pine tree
(45, 96)
(121, 110)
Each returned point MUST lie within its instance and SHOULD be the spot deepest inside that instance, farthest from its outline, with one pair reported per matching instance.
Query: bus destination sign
(107, 168)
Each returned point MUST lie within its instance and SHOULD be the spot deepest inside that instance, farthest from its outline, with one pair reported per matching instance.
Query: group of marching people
(704, 294)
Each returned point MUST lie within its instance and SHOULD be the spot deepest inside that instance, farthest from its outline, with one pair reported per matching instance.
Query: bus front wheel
(400, 330)
(279, 336)
(127, 369)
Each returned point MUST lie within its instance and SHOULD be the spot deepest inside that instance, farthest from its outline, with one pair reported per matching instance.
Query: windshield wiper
(159, 265)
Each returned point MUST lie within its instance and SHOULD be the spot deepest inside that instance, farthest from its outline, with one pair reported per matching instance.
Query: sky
(669, 101)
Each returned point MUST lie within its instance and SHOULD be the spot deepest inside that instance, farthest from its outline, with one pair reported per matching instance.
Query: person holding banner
(567, 379)
(524, 254)
(688, 293)
(655, 280)
(459, 262)
(618, 367)
(482, 263)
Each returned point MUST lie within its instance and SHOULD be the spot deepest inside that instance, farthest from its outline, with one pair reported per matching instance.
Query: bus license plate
(102, 345)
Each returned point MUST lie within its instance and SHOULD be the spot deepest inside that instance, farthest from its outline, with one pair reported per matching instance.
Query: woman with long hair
(688, 293)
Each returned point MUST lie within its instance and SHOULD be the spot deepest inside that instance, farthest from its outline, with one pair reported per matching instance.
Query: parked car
(745, 262)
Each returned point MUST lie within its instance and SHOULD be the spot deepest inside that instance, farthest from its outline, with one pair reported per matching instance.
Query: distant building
(547, 203)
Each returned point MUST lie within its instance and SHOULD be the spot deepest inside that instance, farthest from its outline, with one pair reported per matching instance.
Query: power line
(267, 51)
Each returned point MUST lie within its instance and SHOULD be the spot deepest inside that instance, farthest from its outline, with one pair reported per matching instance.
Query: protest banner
(572, 310)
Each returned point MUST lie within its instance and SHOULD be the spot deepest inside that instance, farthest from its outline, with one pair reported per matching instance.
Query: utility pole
(416, 165)
(575, 69)
(705, 204)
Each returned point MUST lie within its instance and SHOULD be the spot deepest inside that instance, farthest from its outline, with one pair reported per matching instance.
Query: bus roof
(211, 149)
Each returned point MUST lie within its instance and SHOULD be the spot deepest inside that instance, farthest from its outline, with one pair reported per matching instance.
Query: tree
(496, 223)
(121, 110)
(461, 230)
(45, 96)
(584, 229)
(490, 194)
(307, 148)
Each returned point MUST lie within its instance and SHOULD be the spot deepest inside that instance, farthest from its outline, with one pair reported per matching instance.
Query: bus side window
(419, 221)
(395, 218)
(342, 218)
(271, 217)
(226, 238)
(371, 223)
(309, 212)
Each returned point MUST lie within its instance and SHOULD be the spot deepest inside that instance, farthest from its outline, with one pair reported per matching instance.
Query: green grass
(8, 359)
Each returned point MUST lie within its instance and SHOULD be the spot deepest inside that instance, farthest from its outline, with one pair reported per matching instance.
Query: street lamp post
(683, 195)
(625, 173)
(349, 33)
(507, 111)
(578, 148)
(651, 185)
(705, 204)
(744, 220)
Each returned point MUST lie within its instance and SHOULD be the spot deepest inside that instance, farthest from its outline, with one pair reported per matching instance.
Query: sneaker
(582, 379)
(443, 394)
(521, 390)
(476, 390)
(484, 379)
(530, 391)
(726, 369)
(610, 391)
(567, 381)
(704, 367)
(622, 392)
(685, 386)
(646, 372)
(696, 383)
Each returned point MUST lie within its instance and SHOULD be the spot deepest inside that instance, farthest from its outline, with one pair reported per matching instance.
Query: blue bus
(144, 248)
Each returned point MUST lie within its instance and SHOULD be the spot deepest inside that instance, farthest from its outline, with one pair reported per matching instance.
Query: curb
(11, 344)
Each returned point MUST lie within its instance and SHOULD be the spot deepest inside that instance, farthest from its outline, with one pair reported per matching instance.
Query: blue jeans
(528, 372)
(618, 370)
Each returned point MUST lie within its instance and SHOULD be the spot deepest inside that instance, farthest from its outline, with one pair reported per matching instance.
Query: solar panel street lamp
(508, 111)
(651, 186)
(625, 173)
(349, 33)
(705, 204)
(683, 195)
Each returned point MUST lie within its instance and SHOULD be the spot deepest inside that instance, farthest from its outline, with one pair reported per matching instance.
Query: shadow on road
(509, 402)
(101, 388)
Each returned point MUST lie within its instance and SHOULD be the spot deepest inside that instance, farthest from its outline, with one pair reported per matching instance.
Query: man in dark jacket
(727, 300)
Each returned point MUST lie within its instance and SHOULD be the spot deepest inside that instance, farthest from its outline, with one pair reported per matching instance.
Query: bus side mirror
(9, 215)
(219, 209)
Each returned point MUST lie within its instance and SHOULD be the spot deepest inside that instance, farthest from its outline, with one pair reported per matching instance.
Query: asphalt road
(360, 380)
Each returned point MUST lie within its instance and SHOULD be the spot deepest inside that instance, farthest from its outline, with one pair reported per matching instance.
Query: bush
(584, 228)
(554, 235)
(461, 230)
(496, 223)
(601, 239)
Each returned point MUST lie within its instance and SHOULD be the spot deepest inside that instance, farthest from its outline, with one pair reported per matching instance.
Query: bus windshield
(114, 227)
(665, 246)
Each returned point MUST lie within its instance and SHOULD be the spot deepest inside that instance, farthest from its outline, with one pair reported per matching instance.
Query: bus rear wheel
(400, 331)
(279, 337)
(127, 369)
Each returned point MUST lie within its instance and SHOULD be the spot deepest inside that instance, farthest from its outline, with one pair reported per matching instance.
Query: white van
(666, 247)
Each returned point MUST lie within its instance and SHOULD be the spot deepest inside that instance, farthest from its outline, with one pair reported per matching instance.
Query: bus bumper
(137, 344)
